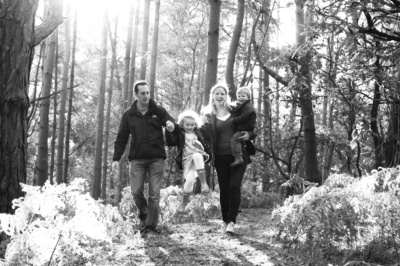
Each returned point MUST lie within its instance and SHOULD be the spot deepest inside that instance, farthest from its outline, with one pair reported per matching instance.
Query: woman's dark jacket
(146, 131)
(244, 116)
(210, 134)
(177, 138)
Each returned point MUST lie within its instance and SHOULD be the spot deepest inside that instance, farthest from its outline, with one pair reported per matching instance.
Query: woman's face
(219, 96)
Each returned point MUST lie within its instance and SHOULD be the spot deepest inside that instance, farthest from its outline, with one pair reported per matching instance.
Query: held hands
(245, 135)
(114, 166)
(170, 126)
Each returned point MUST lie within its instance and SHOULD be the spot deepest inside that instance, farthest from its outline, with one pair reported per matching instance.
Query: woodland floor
(202, 244)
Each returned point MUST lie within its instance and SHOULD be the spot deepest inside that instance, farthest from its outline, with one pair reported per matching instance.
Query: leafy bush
(345, 213)
(60, 224)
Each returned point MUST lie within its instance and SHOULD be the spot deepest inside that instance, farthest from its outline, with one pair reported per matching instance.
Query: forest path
(203, 244)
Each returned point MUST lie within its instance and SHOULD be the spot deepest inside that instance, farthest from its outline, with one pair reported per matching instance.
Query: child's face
(241, 97)
(189, 125)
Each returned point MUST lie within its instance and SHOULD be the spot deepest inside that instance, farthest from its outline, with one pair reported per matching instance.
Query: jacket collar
(134, 109)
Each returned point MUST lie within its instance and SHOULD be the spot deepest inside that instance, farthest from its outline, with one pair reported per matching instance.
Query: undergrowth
(63, 225)
(353, 216)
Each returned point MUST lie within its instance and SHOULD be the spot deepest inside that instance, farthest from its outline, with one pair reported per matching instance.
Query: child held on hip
(192, 155)
(244, 118)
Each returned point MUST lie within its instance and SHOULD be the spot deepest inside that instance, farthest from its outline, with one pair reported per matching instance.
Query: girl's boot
(184, 203)
(203, 181)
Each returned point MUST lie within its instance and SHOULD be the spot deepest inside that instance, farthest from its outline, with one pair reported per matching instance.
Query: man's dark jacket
(244, 116)
(146, 131)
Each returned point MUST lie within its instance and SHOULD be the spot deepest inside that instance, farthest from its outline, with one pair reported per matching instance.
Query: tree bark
(17, 41)
(54, 126)
(42, 163)
(374, 111)
(154, 47)
(96, 189)
(229, 77)
(127, 58)
(63, 100)
(212, 48)
(108, 114)
(133, 54)
(145, 38)
(305, 98)
(71, 94)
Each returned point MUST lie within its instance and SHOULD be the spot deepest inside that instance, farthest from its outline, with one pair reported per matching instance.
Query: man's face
(143, 95)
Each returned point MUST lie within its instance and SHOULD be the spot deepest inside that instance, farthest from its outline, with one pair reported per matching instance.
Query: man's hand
(170, 126)
(114, 166)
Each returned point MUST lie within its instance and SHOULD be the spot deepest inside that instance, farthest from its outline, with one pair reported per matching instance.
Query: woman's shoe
(223, 228)
(230, 229)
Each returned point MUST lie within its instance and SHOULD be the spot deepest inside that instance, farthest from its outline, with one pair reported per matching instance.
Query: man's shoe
(142, 225)
(223, 228)
(230, 229)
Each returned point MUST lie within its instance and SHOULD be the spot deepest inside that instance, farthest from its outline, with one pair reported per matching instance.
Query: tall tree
(229, 77)
(96, 188)
(304, 88)
(18, 37)
(154, 49)
(127, 58)
(42, 163)
(54, 126)
(145, 38)
(212, 48)
(133, 54)
(63, 100)
(113, 42)
(70, 97)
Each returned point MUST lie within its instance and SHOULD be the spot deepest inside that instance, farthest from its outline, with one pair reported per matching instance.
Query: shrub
(345, 213)
(60, 224)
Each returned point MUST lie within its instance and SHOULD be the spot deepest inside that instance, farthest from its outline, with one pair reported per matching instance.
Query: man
(144, 121)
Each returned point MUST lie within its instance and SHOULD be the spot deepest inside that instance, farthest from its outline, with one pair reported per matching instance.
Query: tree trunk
(212, 48)
(229, 78)
(133, 54)
(154, 47)
(374, 111)
(145, 37)
(63, 100)
(18, 37)
(127, 58)
(71, 94)
(108, 114)
(42, 163)
(54, 126)
(305, 97)
(96, 189)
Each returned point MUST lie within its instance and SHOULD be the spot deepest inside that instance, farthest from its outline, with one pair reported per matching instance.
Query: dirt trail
(203, 244)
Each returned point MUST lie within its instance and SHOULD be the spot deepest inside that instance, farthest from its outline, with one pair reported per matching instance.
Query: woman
(219, 132)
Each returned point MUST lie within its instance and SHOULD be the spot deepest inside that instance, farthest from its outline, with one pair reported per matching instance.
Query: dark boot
(238, 160)
(184, 203)
(203, 181)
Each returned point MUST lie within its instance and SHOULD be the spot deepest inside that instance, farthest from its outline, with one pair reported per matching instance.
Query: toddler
(244, 119)
(192, 155)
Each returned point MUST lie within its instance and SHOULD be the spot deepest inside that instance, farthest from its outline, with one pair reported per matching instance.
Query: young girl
(193, 153)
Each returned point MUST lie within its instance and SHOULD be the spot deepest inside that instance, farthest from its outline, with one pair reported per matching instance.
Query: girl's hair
(245, 90)
(211, 105)
(189, 114)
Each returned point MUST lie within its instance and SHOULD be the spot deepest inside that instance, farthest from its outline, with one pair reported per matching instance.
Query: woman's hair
(189, 114)
(245, 90)
(211, 105)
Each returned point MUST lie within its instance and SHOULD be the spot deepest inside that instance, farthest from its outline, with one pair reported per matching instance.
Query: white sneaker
(223, 228)
(230, 229)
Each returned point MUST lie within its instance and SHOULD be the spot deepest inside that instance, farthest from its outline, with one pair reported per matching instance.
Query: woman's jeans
(154, 168)
(230, 182)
